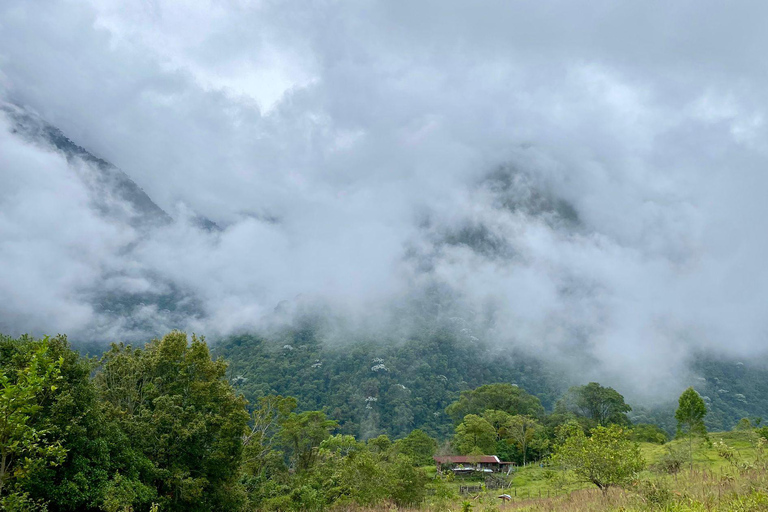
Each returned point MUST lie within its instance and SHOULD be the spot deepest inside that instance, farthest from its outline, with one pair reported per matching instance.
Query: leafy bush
(671, 462)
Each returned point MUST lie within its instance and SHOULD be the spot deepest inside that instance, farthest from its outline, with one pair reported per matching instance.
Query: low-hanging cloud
(585, 178)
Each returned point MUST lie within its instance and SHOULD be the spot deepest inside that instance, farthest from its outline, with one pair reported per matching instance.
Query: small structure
(468, 464)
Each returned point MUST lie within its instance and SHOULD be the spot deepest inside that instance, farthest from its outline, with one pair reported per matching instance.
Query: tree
(181, 422)
(73, 416)
(606, 458)
(500, 397)
(599, 404)
(690, 414)
(522, 430)
(648, 433)
(419, 446)
(303, 433)
(474, 434)
(260, 440)
(24, 443)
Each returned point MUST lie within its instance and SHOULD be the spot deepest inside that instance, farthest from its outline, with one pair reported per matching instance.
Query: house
(461, 464)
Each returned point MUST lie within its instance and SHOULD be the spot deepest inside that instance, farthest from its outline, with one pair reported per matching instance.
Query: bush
(671, 463)
(655, 493)
(648, 433)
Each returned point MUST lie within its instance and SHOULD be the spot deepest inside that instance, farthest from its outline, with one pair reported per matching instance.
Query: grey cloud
(579, 179)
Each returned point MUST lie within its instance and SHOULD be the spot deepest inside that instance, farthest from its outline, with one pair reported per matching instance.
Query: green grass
(687, 491)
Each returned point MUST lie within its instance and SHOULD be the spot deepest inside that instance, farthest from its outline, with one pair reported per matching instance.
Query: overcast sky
(320, 135)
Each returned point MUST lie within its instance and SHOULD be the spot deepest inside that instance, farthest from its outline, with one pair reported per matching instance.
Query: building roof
(467, 459)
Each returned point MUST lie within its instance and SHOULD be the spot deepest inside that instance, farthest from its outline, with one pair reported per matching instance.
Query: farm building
(472, 463)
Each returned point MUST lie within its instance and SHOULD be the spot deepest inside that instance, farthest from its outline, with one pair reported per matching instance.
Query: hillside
(373, 387)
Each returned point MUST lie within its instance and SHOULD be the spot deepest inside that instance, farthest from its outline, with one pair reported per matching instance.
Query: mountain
(374, 386)
(130, 313)
(432, 347)
(113, 193)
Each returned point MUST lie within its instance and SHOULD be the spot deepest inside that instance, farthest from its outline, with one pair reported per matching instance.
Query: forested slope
(373, 387)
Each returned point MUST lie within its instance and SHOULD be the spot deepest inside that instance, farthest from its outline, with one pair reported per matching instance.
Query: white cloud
(363, 128)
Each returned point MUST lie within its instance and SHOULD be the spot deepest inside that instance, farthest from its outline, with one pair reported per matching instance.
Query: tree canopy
(690, 417)
(601, 405)
(500, 397)
(606, 458)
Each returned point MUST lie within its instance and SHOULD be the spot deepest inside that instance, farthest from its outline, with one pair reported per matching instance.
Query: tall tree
(260, 440)
(690, 414)
(73, 416)
(522, 430)
(601, 405)
(475, 434)
(178, 413)
(303, 433)
(500, 397)
(24, 443)
(419, 446)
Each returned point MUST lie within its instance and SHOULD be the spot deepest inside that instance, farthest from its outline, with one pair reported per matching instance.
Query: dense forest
(168, 426)
(373, 387)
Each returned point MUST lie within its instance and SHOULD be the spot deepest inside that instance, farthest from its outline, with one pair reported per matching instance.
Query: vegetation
(166, 427)
(690, 417)
(598, 405)
(606, 458)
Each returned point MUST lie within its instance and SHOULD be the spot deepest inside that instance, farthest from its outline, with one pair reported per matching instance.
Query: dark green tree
(181, 420)
(690, 414)
(28, 376)
(500, 397)
(75, 418)
(302, 434)
(601, 405)
(419, 446)
(523, 431)
(474, 435)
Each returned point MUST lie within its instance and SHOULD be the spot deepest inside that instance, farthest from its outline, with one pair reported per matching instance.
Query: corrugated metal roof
(468, 459)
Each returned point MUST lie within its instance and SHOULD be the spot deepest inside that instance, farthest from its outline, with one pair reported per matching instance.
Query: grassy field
(730, 473)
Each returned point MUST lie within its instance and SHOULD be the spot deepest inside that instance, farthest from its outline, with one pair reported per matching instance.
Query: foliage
(601, 405)
(303, 433)
(162, 427)
(28, 375)
(181, 422)
(474, 435)
(606, 458)
(503, 397)
(418, 446)
(523, 430)
(422, 375)
(690, 417)
(261, 439)
(648, 433)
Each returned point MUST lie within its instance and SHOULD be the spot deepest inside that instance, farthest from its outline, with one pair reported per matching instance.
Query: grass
(714, 484)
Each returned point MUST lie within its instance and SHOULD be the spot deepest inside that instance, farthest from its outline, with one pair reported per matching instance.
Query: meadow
(730, 473)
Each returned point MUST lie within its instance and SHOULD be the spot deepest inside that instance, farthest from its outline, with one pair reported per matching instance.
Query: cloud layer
(583, 179)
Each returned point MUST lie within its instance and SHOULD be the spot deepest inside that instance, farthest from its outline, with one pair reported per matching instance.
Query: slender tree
(522, 430)
(690, 417)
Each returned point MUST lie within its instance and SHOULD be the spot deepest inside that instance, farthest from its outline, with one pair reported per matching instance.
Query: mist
(578, 180)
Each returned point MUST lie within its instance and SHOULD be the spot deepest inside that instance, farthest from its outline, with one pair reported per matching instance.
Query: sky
(343, 146)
